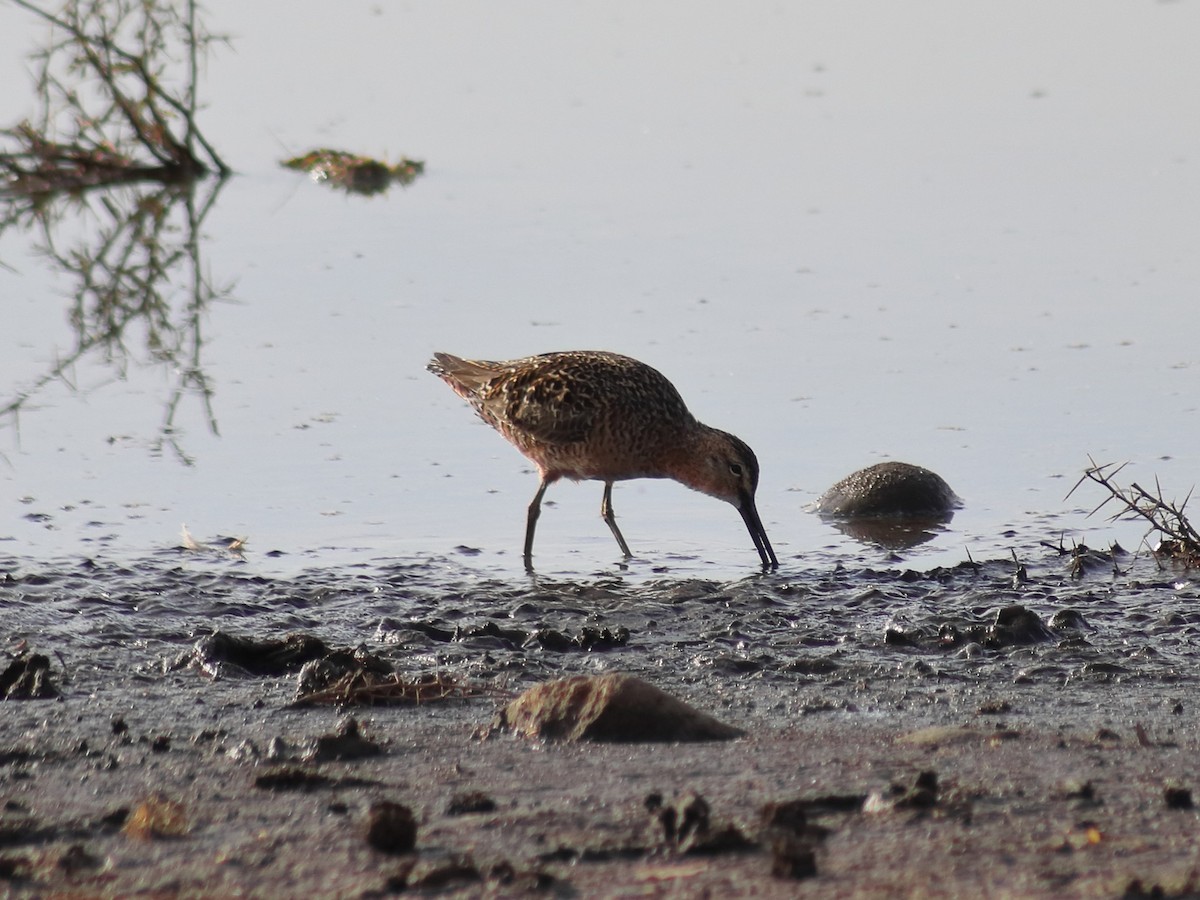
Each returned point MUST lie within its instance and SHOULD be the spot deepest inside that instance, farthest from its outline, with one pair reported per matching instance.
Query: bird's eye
(736, 469)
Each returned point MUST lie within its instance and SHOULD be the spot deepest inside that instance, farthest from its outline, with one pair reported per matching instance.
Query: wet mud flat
(981, 730)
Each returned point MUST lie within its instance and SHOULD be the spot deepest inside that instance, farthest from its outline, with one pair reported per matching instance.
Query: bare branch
(1180, 540)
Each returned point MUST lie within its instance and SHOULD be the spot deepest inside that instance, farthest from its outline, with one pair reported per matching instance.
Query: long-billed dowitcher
(587, 414)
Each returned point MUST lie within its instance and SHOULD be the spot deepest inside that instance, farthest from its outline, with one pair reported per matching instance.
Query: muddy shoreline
(1059, 742)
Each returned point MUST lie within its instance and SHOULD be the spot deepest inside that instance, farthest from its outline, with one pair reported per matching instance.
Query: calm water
(963, 238)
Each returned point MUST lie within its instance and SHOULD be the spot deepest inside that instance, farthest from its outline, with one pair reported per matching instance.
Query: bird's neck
(689, 461)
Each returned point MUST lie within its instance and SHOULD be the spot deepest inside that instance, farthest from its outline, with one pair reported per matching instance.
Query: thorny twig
(1181, 540)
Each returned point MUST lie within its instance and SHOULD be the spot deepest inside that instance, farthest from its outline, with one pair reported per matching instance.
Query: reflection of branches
(191, 374)
(115, 143)
(109, 105)
(141, 271)
(1181, 540)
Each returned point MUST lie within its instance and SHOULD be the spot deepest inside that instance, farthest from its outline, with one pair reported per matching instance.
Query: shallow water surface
(847, 234)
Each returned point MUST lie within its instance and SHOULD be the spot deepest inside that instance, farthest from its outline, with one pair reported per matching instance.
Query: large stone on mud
(614, 707)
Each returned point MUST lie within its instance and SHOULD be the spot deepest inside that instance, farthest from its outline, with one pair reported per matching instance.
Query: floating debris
(353, 173)
(218, 546)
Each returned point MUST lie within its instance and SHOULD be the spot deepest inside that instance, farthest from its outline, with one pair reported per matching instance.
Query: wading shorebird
(587, 414)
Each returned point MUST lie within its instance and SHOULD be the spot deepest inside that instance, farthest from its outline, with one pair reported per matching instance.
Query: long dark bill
(758, 533)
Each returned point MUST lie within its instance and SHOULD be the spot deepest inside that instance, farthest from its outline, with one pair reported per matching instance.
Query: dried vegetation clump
(353, 173)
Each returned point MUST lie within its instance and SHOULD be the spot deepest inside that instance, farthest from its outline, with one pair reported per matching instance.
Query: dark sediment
(946, 732)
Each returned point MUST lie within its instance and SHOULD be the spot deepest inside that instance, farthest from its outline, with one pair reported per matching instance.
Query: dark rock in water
(890, 489)
(892, 504)
(612, 707)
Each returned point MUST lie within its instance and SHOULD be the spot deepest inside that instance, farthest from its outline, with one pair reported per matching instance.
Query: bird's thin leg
(535, 510)
(606, 513)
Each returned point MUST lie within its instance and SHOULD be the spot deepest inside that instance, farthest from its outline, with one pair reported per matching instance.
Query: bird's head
(724, 466)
